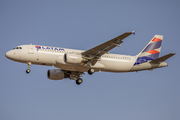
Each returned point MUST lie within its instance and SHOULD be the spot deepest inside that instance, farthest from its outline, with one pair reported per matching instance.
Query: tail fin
(151, 50)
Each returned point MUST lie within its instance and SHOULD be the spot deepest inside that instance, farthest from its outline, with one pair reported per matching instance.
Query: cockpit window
(17, 48)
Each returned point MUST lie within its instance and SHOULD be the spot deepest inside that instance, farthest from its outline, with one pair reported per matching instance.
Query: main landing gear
(79, 81)
(74, 75)
(29, 65)
(91, 71)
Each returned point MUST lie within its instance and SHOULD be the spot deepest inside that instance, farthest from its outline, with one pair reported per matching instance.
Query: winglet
(133, 32)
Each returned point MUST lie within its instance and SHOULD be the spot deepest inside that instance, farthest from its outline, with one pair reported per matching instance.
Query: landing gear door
(30, 49)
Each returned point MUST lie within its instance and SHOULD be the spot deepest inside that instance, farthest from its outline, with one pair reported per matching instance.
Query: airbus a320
(72, 64)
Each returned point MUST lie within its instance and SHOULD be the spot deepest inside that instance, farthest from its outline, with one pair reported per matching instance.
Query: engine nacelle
(72, 58)
(56, 74)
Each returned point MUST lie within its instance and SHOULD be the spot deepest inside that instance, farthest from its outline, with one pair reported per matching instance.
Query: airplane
(73, 63)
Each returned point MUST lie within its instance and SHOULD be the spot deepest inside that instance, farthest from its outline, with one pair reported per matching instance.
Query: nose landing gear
(29, 65)
(28, 71)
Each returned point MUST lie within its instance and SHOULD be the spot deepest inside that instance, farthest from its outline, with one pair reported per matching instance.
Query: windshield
(17, 48)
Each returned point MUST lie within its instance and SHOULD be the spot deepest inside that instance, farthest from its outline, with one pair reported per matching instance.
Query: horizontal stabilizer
(163, 58)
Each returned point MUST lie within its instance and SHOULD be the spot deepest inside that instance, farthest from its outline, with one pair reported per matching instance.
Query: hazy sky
(80, 24)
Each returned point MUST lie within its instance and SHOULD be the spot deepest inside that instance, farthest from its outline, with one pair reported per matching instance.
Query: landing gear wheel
(28, 71)
(91, 71)
(29, 65)
(79, 81)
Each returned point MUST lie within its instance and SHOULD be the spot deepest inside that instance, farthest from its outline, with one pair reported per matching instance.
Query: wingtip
(173, 53)
(133, 32)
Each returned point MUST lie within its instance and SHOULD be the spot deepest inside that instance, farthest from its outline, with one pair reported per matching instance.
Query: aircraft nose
(8, 54)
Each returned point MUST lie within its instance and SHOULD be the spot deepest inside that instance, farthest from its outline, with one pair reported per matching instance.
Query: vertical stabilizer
(151, 50)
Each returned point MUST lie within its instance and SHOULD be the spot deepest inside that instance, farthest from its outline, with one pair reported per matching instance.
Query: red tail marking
(156, 39)
(153, 51)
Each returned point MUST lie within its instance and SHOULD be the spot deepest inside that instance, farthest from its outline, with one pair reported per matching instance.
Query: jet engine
(72, 58)
(56, 74)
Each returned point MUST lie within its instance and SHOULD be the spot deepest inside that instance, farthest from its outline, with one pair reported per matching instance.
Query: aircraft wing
(95, 53)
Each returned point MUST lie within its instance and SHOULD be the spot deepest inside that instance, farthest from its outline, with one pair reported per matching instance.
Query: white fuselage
(53, 56)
